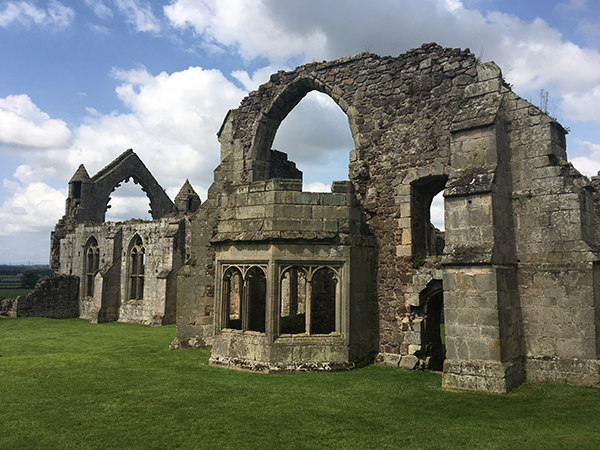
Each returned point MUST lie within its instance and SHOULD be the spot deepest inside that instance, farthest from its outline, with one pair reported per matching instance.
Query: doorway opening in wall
(433, 330)
(128, 201)
(316, 136)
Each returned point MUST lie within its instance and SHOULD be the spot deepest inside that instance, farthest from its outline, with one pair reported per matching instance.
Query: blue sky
(82, 81)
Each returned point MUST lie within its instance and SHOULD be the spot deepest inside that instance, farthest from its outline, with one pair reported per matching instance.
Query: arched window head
(136, 269)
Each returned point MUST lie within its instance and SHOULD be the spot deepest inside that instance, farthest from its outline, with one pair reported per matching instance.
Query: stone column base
(485, 376)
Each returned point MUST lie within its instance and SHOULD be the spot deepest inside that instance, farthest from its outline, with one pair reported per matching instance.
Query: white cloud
(317, 186)
(99, 8)
(100, 29)
(139, 14)
(252, 82)
(24, 127)
(245, 25)
(583, 106)
(25, 13)
(171, 124)
(533, 54)
(572, 5)
(588, 159)
(437, 211)
(33, 208)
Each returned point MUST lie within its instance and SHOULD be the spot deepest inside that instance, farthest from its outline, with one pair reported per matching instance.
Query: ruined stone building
(277, 279)
(127, 270)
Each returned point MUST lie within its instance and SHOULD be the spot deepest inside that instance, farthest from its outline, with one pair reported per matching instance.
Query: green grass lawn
(13, 292)
(69, 384)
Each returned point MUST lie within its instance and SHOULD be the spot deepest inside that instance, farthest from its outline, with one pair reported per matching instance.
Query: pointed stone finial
(187, 201)
(80, 175)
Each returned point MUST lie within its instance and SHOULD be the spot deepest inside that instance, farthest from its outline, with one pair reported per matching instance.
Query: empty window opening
(256, 293)
(427, 238)
(232, 289)
(324, 286)
(293, 301)
(136, 269)
(316, 136)
(128, 201)
(92, 262)
(308, 300)
(76, 186)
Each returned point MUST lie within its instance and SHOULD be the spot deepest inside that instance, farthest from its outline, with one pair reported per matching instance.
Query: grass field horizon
(69, 384)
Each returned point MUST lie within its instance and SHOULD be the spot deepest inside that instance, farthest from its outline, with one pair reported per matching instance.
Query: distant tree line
(29, 279)
(41, 270)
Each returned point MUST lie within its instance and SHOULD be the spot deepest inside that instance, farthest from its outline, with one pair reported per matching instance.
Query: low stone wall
(54, 297)
(6, 307)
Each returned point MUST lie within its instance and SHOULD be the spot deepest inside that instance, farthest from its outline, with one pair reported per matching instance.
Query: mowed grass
(69, 384)
(13, 292)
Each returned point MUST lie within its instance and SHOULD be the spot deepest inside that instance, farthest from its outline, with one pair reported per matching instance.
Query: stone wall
(127, 270)
(54, 297)
(164, 242)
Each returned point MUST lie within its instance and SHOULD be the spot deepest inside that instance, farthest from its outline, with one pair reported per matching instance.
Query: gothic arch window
(232, 298)
(323, 299)
(137, 255)
(92, 263)
(309, 295)
(293, 301)
(244, 297)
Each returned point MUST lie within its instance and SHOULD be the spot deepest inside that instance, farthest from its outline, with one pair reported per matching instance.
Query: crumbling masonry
(280, 280)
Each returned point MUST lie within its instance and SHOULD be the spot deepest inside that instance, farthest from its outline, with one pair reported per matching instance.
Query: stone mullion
(308, 302)
(226, 302)
(245, 305)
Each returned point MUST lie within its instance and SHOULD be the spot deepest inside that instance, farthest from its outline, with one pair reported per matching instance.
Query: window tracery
(136, 269)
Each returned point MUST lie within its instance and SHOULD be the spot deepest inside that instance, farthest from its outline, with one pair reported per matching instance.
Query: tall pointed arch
(270, 119)
(137, 262)
(92, 264)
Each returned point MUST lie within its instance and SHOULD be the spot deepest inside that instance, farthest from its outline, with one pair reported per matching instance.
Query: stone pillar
(482, 315)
